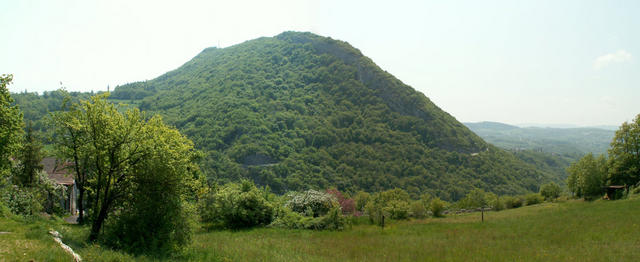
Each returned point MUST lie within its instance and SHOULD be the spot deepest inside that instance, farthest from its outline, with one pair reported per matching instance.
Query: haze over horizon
(549, 62)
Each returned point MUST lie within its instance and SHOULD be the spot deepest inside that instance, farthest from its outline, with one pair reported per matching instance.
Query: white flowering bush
(312, 203)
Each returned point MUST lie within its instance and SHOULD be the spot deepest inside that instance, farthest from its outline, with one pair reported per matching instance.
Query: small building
(62, 174)
(614, 192)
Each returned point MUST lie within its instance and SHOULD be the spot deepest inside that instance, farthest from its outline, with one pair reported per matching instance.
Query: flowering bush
(347, 205)
(311, 202)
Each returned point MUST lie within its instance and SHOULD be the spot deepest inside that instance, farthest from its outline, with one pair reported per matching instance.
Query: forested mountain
(299, 110)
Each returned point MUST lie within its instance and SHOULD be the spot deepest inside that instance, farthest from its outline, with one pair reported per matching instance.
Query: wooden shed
(614, 192)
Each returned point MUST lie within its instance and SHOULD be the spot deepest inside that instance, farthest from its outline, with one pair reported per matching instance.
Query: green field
(569, 231)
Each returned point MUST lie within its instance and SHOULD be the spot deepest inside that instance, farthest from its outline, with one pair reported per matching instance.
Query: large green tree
(587, 176)
(126, 159)
(158, 214)
(71, 143)
(624, 154)
(10, 126)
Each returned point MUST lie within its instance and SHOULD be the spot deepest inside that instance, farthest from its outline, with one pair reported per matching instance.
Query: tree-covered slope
(300, 110)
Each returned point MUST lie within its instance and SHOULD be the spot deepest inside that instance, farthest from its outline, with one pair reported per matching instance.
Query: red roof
(60, 172)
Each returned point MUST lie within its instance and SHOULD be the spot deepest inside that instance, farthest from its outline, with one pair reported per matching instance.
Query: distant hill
(571, 141)
(300, 110)
(549, 149)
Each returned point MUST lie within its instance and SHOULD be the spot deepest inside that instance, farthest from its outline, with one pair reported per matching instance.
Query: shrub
(533, 199)
(392, 204)
(287, 218)
(312, 203)
(498, 203)
(347, 205)
(437, 206)
(512, 202)
(550, 191)
(397, 209)
(22, 201)
(361, 200)
(418, 210)
(156, 217)
(236, 206)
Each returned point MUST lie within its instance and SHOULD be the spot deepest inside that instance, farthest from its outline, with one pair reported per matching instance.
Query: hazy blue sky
(572, 62)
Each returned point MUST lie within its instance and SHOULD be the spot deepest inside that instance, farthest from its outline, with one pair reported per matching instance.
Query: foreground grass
(571, 231)
(28, 240)
(574, 231)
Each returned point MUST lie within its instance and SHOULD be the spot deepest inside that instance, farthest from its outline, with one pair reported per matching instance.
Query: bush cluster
(236, 206)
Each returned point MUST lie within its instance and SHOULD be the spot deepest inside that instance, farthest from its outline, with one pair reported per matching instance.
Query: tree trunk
(81, 205)
(97, 224)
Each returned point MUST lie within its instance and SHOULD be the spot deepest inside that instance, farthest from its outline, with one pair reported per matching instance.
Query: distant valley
(548, 148)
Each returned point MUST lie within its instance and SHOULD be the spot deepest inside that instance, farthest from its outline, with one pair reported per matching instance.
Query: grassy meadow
(567, 231)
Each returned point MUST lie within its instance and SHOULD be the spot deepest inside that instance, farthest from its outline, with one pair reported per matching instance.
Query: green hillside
(299, 110)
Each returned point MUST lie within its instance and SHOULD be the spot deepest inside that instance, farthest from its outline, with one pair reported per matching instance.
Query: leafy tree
(624, 154)
(71, 142)
(393, 204)
(587, 176)
(476, 198)
(437, 206)
(157, 218)
(550, 191)
(119, 152)
(10, 126)
(30, 158)
(361, 200)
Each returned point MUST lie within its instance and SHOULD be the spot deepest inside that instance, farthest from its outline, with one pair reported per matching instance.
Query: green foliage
(587, 176)
(157, 218)
(22, 201)
(236, 206)
(361, 198)
(418, 209)
(29, 159)
(476, 198)
(392, 204)
(533, 199)
(512, 201)
(550, 191)
(437, 206)
(624, 154)
(11, 127)
(138, 172)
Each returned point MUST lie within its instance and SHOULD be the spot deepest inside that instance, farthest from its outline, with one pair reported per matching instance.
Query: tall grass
(570, 231)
